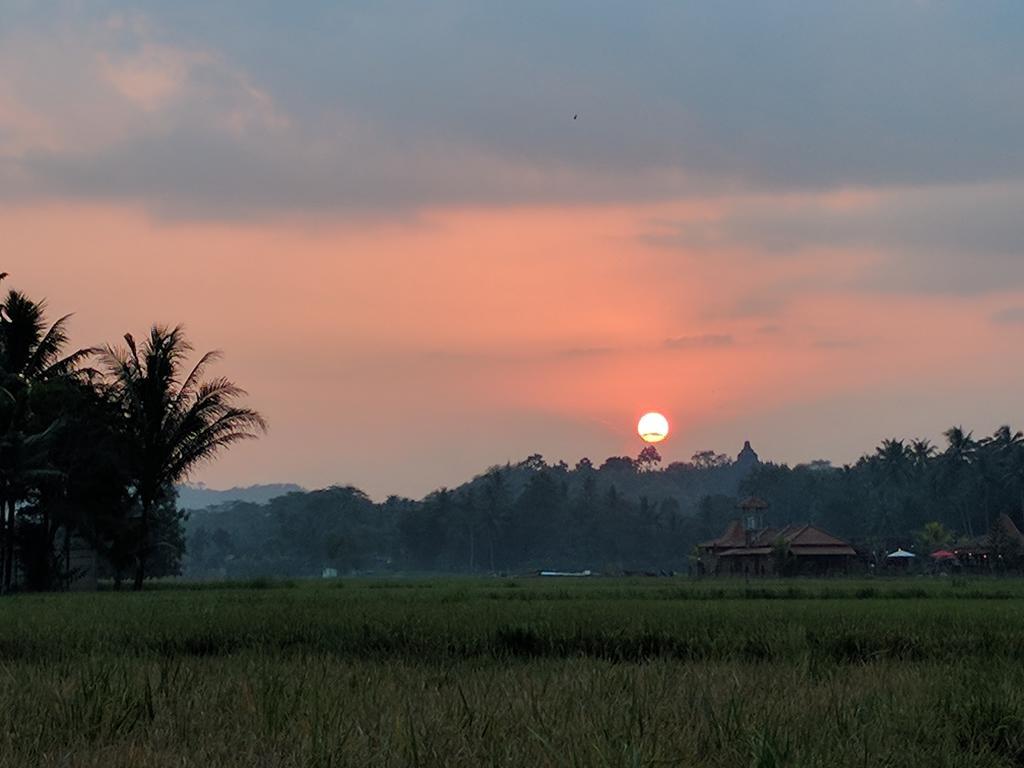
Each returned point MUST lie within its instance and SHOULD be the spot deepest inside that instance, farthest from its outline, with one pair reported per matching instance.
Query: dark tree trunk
(143, 549)
(9, 547)
(66, 580)
(3, 544)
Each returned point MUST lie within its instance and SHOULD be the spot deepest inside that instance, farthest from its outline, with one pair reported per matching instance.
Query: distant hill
(200, 497)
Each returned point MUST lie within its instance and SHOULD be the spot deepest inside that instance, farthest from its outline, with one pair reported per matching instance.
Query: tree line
(92, 442)
(625, 515)
(907, 492)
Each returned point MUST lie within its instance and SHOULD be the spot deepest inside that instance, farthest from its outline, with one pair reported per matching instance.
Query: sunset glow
(411, 275)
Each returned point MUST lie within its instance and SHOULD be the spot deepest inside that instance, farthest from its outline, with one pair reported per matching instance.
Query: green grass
(907, 672)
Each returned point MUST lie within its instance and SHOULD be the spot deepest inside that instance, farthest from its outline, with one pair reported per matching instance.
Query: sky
(434, 237)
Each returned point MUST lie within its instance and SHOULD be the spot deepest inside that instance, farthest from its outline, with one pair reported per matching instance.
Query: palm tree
(24, 466)
(986, 474)
(31, 353)
(1005, 437)
(956, 462)
(921, 452)
(495, 489)
(1007, 446)
(961, 445)
(892, 460)
(1011, 449)
(175, 422)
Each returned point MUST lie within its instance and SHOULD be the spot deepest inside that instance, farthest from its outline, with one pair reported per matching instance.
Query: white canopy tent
(899, 554)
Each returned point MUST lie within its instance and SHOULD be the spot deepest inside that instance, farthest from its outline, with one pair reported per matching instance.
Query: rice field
(658, 672)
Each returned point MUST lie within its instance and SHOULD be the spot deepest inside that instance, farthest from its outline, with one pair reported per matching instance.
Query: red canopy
(943, 554)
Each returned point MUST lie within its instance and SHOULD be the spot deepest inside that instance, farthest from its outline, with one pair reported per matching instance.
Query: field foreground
(658, 672)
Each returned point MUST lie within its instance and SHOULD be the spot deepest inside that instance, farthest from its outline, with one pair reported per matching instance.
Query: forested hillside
(624, 515)
(198, 496)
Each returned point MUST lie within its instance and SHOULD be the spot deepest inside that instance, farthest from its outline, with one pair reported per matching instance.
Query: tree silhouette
(933, 536)
(174, 422)
(709, 460)
(31, 354)
(648, 459)
(956, 465)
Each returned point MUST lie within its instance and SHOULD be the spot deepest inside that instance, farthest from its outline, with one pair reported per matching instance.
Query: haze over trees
(92, 442)
(624, 514)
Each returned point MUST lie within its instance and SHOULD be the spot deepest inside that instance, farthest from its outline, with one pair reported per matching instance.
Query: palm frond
(178, 421)
(48, 348)
(191, 383)
(22, 327)
(231, 426)
(69, 365)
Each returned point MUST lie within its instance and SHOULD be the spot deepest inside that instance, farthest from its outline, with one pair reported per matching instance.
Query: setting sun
(652, 427)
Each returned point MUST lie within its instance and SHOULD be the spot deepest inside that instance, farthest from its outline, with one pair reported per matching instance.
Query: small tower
(753, 509)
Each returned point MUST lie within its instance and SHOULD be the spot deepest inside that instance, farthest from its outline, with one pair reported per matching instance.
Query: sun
(652, 427)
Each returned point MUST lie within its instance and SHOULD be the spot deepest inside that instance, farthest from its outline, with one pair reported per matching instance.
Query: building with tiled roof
(759, 550)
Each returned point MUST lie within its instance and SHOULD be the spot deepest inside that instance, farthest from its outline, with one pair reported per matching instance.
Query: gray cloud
(952, 239)
(957, 219)
(199, 175)
(1009, 316)
(390, 105)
